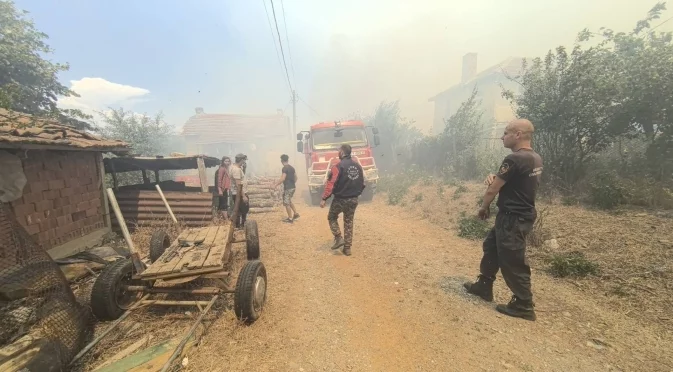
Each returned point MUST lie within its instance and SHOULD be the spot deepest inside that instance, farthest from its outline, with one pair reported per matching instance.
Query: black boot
(518, 308)
(338, 242)
(483, 288)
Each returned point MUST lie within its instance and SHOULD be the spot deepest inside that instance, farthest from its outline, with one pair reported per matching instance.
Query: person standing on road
(288, 178)
(237, 172)
(222, 187)
(346, 183)
(504, 248)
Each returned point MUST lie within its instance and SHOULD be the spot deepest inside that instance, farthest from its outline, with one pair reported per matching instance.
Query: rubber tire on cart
(159, 242)
(252, 240)
(250, 293)
(106, 303)
(367, 195)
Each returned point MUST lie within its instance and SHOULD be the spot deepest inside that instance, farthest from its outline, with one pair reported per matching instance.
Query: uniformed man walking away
(515, 184)
(346, 183)
(289, 179)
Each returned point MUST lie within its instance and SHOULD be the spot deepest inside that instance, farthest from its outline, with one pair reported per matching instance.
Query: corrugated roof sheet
(18, 129)
(129, 164)
(231, 128)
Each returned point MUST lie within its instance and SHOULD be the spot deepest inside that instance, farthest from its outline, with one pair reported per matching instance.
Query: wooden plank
(170, 266)
(195, 254)
(202, 174)
(205, 248)
(195, 272)
(150, 359)
(106, 207)
(217, 252)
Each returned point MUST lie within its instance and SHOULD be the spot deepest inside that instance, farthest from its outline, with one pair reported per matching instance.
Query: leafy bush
(572, 264)
(473, 228)
(606, 191)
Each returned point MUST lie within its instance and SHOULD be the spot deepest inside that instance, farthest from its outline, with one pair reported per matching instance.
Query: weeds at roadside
(472, 227)
(571, 264)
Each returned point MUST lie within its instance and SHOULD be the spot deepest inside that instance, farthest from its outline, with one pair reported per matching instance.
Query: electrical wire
(287, 38)
(273, 39)
(280, 42)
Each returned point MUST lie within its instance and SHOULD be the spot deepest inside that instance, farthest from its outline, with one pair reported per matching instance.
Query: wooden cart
(197, 253)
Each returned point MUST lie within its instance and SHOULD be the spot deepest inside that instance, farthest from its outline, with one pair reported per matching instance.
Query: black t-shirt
(289, 177)
(521, 171)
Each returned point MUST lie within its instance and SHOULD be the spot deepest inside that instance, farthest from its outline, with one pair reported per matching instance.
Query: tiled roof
(230, 128)
(17, 129)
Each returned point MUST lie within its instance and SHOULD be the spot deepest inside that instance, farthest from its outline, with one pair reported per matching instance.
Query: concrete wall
(62, 200)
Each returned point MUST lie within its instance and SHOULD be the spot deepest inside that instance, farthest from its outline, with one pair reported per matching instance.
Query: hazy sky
(346, 56)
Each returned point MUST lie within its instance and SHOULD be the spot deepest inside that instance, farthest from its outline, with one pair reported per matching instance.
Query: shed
(63, 204)
(140, 202)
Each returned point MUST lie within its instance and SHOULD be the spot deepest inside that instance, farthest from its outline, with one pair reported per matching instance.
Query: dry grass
(632, 248)
(161, 323)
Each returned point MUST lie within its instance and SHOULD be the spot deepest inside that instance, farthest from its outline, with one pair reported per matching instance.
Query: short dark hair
(346, 148)
(225, 158)
(284, 158)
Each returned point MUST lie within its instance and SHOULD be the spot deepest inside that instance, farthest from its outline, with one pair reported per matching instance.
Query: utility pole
(294, 117)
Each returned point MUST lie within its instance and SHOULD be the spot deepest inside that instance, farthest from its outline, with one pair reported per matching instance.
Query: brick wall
(62, 198)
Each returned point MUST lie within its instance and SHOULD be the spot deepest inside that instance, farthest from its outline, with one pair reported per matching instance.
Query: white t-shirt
(236, 173)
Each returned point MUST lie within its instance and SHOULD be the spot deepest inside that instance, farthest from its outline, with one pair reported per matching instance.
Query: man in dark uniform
(505, 246)
(346, 183)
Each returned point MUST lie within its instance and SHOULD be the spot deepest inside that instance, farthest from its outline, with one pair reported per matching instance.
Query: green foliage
(606, 191)
(571, 264)
(148, 136)
(586, 100)
(418, 198)
(473, 228)
(29, 82)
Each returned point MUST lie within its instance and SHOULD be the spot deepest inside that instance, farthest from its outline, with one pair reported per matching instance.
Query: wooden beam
(78, 245)
(202, 174)
(106, 206)
(35, 146)
(146, 179)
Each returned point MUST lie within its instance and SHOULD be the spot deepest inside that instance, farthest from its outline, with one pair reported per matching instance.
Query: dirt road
(397, 305)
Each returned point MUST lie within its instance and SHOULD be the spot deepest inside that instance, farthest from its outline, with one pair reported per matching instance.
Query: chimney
(199, 110)
(469, 67)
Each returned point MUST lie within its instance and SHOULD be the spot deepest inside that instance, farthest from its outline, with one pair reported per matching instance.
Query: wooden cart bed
(202, 258)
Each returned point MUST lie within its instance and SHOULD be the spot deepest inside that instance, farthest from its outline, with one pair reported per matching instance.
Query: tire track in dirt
(397, 305)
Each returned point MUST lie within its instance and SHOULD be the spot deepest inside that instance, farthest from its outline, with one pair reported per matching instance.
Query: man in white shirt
(238, 179)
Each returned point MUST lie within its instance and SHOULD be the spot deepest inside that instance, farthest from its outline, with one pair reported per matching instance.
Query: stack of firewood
(263, 199)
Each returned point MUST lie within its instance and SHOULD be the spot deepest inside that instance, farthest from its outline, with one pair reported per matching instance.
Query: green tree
(148, 136)
(582, 101)
(396, 132)
(28, 82)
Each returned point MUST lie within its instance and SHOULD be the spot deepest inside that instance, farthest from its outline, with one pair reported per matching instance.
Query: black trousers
(243, 210)
(505, 249)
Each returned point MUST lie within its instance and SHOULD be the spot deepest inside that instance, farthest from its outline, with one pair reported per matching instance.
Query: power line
(287, 38)
(273, 38)
(280, 42)
(309, 106)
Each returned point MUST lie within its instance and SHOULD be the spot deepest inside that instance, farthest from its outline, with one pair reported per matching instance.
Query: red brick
(32, 175)
(38, 186)
(50, 194)
(44, 205)
(52, 223)
(24, 209)
(47, 175)
(61, 221)
(61, 202)
(33, 229)
(68, 191)
(78, 216)
(44, 225)
(43, 236)
(29, 198)
(83, 206)
(35, 218)
(56, 184)
(91, 212)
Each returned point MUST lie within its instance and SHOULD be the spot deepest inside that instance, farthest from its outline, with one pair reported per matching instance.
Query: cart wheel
(158, 244)
(250, 295)
(109, 300)
(252, 240)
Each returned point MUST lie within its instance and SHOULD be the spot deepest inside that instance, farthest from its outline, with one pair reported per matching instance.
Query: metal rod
(108, 330)
(170, 211)
(181, 346)
(140, 288)
(173, 303)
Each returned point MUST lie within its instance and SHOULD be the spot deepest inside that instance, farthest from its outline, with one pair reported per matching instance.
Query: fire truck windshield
(324, 139)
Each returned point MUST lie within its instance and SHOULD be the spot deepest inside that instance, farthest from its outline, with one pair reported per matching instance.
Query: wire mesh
(36, 302)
